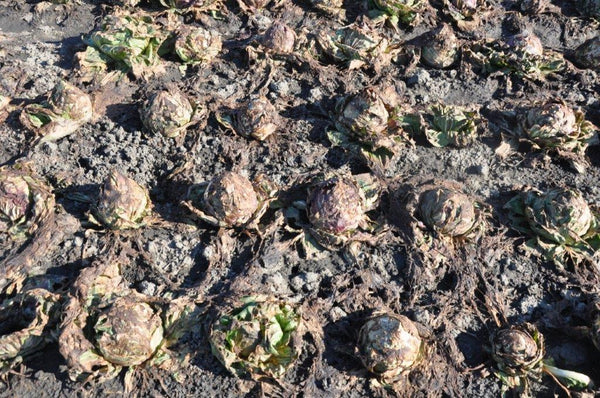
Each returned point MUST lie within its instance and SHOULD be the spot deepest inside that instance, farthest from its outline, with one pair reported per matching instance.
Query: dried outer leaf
(122, 204)
(405, 12)
(132, 41)
(533, 7)
(25, 201)
(466, 14)
(194, 6)
(449, 126)
(107, 326)
(27, 320)
(253, 6)
(66, 109)
(4, 102)
(259, 337)
(98, 283)
(90, 64)
(390, 346)
(46, 239)
(330, 7)
(564, 228)
(354, 46)
(494, 56)
(124, 3)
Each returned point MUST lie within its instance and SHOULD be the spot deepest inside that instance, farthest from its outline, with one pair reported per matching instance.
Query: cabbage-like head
(256, 118)
(559, 215)
(25, 201)
(518, 350)
(231, 199)
(196, 45)
(448, 125)
(167, 112)
(122, 203)
(279, 38)
(441, 51)
(257, 338)
(563, 227)
(70, 102)
(551, 124)
(448, 212)
(354, 45)
(128, 332)
(336, 206)
(364, 114)
(390, 346)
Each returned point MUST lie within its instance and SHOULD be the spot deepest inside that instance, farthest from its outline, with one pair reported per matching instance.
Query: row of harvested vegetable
(103, 327)
(106, 326)
(141, 42)
(372, 124)
(563, 226)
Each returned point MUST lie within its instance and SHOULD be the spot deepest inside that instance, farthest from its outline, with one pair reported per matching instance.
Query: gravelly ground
(38, 44)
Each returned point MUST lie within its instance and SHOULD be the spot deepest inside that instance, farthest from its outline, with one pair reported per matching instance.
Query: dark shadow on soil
(125, 115)
(68, 270)
(68, 47)
(78, 199)
(201, 265)
(470, 344)
(340, 341)
(48, 360)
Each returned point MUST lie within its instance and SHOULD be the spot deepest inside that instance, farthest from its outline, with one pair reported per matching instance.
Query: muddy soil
(456, 301)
